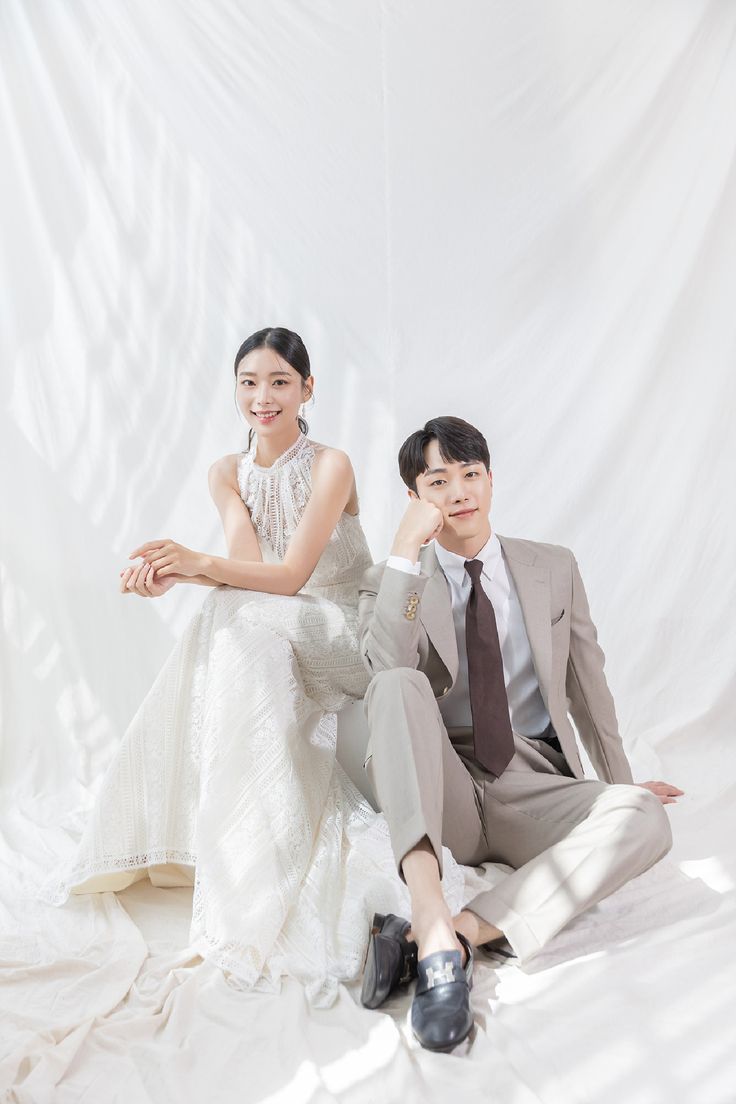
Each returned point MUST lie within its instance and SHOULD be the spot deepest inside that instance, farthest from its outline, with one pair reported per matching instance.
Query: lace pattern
(276, 496)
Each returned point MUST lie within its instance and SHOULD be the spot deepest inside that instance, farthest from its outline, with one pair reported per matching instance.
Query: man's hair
(458, 442)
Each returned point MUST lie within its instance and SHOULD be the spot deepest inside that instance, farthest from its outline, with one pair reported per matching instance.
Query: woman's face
(269, 392)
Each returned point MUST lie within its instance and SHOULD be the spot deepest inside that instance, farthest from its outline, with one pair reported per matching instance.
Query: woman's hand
(141, 580)
(168, 558)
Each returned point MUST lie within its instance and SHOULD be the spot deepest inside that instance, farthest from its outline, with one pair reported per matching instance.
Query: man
(479, 645)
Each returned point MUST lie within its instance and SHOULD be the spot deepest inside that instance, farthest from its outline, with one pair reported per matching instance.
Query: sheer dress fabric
(227, 774)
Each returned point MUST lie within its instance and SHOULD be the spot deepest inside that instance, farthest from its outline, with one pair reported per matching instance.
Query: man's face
(462, 492)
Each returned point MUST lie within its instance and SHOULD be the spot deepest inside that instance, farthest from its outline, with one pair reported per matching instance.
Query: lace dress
(227, 773)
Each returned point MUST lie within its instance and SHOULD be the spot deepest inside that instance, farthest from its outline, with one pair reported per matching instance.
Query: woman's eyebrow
(252, 375)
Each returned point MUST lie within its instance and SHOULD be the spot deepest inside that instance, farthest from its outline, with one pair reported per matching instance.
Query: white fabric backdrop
(521, 214)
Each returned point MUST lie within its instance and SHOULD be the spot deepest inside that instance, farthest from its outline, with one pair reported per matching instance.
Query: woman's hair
(289, 347)
(458, 441)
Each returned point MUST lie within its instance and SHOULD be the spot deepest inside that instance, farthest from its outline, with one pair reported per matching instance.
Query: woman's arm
(240, 536)
(241, 539)
(142, 580)
(332, 488)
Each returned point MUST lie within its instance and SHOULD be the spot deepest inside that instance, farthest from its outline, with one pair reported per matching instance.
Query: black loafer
(440, 1012)
(391, 959)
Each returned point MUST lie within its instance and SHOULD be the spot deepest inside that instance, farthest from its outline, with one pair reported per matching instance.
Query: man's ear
(412, 494)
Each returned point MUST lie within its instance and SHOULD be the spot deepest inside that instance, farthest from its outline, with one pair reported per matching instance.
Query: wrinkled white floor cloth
(101, 1001)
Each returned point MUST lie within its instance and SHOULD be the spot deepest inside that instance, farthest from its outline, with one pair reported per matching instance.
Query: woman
(229, 765)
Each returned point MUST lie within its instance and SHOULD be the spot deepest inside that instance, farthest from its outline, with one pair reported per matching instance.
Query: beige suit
(572, 841)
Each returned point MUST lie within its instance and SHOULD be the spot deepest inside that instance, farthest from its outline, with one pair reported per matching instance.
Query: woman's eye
(281, 382)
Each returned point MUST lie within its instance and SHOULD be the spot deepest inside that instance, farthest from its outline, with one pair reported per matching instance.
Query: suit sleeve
(388, 637)
(591, 702)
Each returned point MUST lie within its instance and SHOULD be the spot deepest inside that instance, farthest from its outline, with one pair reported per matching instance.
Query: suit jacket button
(410, 615)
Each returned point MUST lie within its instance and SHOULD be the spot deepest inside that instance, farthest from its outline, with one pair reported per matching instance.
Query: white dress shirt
(529, 716)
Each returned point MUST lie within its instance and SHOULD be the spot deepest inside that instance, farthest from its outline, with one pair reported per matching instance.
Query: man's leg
(416, 774)
(572, 842)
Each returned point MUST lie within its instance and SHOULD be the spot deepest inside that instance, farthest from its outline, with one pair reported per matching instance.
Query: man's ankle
(476, 930)
(434, 931)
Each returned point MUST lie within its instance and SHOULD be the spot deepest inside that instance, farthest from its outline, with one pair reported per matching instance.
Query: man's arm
(389, 638)
(389, 598)
(591, 703)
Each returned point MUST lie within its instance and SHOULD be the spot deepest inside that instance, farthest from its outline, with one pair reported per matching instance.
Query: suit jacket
(567, 657)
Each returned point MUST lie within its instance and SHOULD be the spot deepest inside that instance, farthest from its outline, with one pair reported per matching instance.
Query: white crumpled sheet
(101, 1000)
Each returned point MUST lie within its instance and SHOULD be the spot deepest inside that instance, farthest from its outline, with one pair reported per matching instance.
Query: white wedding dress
(227, 775)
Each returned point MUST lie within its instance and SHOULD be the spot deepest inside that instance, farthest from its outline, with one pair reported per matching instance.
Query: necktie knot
(474, 568)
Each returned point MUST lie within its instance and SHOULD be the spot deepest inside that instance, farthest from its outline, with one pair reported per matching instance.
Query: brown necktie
(489, 706)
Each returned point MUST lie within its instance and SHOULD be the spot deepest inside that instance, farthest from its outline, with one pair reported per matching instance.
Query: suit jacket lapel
(435, 610)
(533, 588)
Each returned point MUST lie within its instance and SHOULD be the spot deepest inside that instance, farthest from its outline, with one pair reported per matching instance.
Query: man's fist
(421, 522)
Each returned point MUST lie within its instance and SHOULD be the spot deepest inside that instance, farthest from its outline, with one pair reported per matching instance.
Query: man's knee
(660, 829)
(648, 821)
(397, 683)
(402, 712)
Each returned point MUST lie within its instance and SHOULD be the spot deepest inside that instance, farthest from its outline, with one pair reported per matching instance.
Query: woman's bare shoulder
(335, 464)
(224, 472)
(331, 457)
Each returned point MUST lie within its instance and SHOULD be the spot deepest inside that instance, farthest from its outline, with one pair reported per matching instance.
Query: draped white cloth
(522, 214)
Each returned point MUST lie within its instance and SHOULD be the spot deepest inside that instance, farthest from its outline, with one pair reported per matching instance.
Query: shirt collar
(454, 565)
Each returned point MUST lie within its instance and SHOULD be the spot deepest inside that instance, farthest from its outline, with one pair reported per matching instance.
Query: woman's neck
(268, 449)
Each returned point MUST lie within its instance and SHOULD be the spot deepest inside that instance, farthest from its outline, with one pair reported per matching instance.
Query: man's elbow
(374, 659)
(369, 662)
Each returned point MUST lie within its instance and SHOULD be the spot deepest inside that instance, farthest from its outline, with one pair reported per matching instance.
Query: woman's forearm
(269, 578)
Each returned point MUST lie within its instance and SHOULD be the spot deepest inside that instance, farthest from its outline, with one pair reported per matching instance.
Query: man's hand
(421, 522)
(666, 792)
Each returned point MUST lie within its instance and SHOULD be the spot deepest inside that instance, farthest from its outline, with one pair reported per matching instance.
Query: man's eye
(470, 474)
(437, 483)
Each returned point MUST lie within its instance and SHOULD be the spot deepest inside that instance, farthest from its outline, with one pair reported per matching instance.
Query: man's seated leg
(414, 771)
(572, 842)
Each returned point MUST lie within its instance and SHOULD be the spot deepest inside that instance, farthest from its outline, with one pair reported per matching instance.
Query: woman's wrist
(207, 566)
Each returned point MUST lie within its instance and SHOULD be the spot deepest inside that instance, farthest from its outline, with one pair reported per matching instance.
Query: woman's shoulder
(334, 468)
(330, 458)
(224, 472)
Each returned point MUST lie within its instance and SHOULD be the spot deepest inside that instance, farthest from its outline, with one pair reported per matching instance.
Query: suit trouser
(571, 841)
